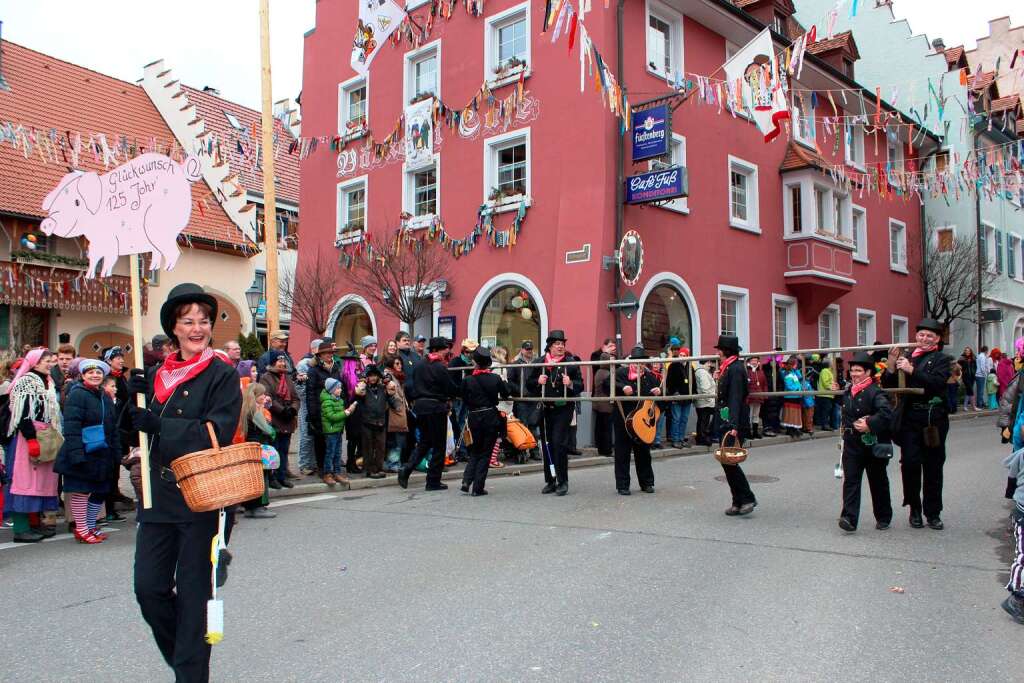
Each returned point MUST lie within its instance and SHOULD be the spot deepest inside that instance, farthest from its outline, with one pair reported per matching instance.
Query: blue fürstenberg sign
(651, 133)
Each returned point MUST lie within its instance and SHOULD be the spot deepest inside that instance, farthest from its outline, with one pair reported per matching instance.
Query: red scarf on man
(174, 371)
(921, 350)
(481, 371)
(551, 360)
(435, 357)
(861, 385)
(726, 362)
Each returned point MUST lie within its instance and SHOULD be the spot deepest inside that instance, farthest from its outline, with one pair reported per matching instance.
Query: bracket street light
(253, 298)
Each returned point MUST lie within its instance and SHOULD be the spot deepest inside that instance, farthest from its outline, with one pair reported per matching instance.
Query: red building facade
(766, 245)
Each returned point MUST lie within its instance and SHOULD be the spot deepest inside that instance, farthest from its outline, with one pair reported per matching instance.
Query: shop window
(353, 324)
(665, 315)
(508, 318)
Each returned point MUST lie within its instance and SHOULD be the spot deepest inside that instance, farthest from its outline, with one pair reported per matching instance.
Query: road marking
(303, 499)
(59, 537)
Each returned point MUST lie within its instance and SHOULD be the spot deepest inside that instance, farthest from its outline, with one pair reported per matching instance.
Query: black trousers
(433, 434)
(626, 445)
(920, 465)
(354, 438)
(555, 426)
(172, 585)
(603, 432)
(704, 417)
(475, 474)
(374, 439)
(319, 449)
(771, 411)
(855, 464)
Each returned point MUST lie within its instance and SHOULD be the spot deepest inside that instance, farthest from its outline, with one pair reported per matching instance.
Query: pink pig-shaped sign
(139, 207)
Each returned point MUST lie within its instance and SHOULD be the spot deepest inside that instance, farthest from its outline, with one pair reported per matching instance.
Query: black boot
(755, 431)
(1014, 606)
(915, 519)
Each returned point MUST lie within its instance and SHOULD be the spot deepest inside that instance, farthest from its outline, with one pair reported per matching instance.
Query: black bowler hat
(729, 343)
(929, 324)
(863, 359)
(438, 344)
(555, 335)
(637, 353)
(482, 357)
(373, 370)
(185, 293)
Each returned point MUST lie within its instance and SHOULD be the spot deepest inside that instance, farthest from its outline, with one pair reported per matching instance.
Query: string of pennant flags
(18, 285)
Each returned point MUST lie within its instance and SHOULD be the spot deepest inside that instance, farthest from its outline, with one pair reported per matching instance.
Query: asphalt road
(395, 585)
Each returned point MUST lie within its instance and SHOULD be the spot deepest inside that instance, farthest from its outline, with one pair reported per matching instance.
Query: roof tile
(50, 100)
(838, 41)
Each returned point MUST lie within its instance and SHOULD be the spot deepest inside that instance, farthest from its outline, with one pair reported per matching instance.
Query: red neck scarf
(861, 385)
(550, 360)
(283, 392)
(435, 357)
(115, 373)
(481, 371)
(175, 371)
(726, 362)
(921, 350)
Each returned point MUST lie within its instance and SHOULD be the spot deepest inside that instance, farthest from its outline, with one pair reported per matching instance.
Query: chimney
(210, 89)
(939, 45)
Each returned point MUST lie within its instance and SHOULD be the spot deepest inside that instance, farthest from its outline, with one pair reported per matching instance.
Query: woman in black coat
(86, 461)
(190, 390)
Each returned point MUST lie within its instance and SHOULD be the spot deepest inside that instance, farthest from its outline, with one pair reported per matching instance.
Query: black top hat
(863, 359)
(929, 324)
(482, 357)
(555, 335)
(438, 344)
(185, 293)
(728, 343)
(637, 352)
(372, 370)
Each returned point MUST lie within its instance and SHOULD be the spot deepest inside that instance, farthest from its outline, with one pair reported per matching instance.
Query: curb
(589, 459)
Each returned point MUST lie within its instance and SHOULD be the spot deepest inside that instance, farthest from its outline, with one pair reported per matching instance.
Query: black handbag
(882, 451)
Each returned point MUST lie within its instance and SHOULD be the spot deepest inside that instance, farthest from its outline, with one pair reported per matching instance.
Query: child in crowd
(110, 388)
(992, 389)
(334, 413)
(255, 425)
(375, 401)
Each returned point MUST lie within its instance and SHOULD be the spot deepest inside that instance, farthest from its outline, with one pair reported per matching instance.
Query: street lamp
(253, 298)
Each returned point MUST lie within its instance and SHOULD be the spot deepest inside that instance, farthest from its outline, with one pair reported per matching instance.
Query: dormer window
(779, 23)
(233, 120)
(848, 67)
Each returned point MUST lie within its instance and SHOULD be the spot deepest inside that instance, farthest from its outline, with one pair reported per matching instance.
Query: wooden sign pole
(269, 198)
(137, 341)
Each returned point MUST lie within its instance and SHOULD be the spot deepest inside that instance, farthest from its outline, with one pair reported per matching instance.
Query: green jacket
(825, 379)
(332, 413)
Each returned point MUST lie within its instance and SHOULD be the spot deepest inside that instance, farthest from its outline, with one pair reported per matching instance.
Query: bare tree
(397, 274)
(949, 274)
(310, 291)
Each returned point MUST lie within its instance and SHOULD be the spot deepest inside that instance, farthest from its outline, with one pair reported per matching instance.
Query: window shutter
(999, 251)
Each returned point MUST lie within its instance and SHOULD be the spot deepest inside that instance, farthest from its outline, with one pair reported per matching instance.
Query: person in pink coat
(33, 484)
(1004, 372)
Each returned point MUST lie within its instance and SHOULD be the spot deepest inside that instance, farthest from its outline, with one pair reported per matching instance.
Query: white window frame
(854, 144)
(898, 267)
(492, 146)
(860, 251)
(742, 297)
(412, 57)
(674, 19)
(409, 194)
(898, 164)
(802, 105)
(936, 233)
(753, 221)
(834, 328)
(905, 322)
(413, 4)
(792, 323)
(492, 26)
(871, 332)
(842, 207)
(343, 107)
(341, 209)
(788, 209)
(1018, 253)
(808, 181)
(677, 150)
(826, 210)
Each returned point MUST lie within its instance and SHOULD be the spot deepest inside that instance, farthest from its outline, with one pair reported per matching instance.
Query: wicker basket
(219, 477)
(729, 452)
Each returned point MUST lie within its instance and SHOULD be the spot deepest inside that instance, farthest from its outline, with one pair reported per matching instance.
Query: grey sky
(216, 42)
(204, 42)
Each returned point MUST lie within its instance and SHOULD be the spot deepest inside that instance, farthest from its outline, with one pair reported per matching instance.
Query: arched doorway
(93, 343)
(352, 321)
(229, 322)
(667, 310)
(507, 311)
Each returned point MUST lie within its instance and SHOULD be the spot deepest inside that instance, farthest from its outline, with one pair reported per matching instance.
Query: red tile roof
(50, 98)
(981, 80)
(1004, 103)
(838, 41)
(798, 157)
(785, 4)
(954, 54)
(1020, 127)
(211, 109)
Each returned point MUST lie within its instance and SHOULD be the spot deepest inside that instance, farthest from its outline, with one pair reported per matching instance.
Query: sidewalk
(311, 486)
